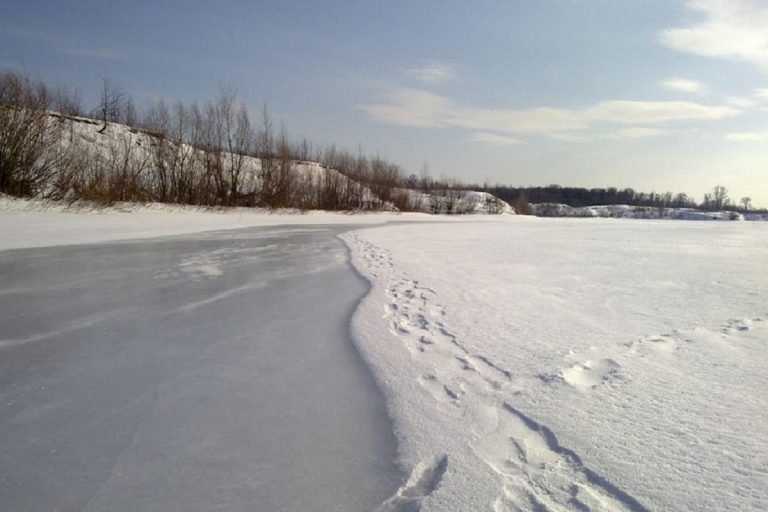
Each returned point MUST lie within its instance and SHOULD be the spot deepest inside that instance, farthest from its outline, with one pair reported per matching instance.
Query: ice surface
(26, 223)
(563, 364)
(209, 372)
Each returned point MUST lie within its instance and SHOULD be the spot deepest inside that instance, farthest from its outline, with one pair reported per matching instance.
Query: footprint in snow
(590, 374)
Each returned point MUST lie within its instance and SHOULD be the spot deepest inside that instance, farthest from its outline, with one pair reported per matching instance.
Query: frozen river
(200, 372)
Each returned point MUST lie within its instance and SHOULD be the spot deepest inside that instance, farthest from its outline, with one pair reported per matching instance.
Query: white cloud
(636, 132)
(415, 107)
(60, 44)
(570, 137)
(410, 107)
(758, 97)
(656, 112)
(434, 72)
(731, 29)
(742, 101)
(495, 139)
(747, 136)
(540, 120)
(96, 53)
(684, 85)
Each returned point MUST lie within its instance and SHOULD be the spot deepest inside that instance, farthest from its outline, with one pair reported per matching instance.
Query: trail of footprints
(536, 472)
(416, 319)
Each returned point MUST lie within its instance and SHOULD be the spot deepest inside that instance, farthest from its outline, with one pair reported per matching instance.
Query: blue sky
(650, 94)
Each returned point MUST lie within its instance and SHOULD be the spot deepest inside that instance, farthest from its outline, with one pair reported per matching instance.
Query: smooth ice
(201, 372)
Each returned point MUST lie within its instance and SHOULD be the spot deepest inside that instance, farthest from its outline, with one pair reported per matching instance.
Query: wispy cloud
(636, 132)
(495, 139)
(757, 98)
(731, 29)
(7, 64)
(434, 72)
(745, 102)
(410, 107)
(96, 53)
(684, 85)
(656, 112)
(419, 108)
(761, 95)
(61, 45)
(747, 137)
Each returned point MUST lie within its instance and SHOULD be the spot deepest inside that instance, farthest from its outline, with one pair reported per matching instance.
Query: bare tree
(128, 115)
(29, 137)
(67, 102)
(746, 203)
(157, 121)
(304, 150)
(719, 197)
(111, 102)
(265, 149)
(283, 182)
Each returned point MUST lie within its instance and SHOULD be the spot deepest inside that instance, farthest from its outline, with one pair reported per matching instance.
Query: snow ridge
(528, 467)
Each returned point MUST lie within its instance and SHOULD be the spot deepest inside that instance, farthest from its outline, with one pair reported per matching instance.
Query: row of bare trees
(30, 149)
(214, 154)
(209, 154)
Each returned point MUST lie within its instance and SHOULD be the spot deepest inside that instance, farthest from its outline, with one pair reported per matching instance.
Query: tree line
(218, 153)
(215, 153)
(522, 197)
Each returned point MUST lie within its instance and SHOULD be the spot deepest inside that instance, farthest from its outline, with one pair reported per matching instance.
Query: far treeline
(218, 154)
(522, 197)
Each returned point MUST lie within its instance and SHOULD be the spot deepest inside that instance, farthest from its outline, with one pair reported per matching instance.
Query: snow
(527, 363)
(623, 211)
(457, 201)
(558, 364)
(39, 223)
(120, 143)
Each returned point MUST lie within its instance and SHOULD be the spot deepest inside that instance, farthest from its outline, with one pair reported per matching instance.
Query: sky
(656, 95)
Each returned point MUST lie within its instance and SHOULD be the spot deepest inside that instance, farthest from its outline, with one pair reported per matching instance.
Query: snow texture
(557, 364)
(528, 363)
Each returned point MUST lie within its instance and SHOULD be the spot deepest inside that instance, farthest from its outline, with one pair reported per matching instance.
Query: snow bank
(624, 211)
(533, 364)
(457, 201)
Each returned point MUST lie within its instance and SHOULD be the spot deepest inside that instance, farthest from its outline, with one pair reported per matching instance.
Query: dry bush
(27, 136)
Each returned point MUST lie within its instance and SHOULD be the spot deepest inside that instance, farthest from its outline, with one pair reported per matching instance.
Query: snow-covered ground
(533, 363)
(28, 223)
(557, 364)
(623, 211)
(457, 201)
